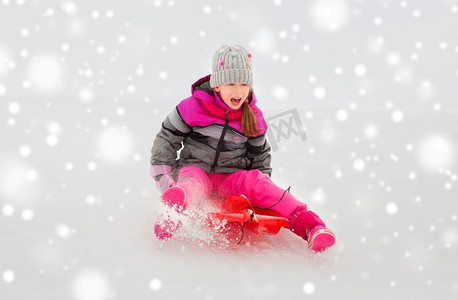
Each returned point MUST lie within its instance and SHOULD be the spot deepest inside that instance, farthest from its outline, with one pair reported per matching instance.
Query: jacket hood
(210, 101)
(201, 90)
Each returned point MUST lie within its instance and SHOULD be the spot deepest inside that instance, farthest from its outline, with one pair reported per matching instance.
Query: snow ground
(84, 87)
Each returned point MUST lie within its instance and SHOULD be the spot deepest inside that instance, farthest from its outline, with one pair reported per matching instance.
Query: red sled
(238, 209)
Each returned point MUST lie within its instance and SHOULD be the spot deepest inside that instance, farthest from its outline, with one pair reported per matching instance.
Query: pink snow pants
(257, 187)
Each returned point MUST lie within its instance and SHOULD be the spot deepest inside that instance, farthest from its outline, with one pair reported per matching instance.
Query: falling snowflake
(435, 152)
(91, 284)
(308, 288)
(329, 15)
(155, 284)
(46, 73)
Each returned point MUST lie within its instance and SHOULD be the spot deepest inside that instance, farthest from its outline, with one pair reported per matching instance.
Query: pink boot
(174, 198)
(319, 238)
(309, 226)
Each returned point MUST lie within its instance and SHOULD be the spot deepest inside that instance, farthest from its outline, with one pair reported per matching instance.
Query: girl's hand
(163, 177)
(164, 182)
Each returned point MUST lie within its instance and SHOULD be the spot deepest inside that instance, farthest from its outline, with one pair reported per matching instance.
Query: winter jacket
(203, 132)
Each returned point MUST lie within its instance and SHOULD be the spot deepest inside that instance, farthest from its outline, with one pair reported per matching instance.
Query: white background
(85, 85)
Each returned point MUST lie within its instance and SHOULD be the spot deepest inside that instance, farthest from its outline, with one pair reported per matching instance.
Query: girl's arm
(165, 149)
(259, 154)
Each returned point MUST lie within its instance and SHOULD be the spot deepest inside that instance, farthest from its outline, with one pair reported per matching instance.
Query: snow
(84, 87)
(115, 144)
(308, 288)
(279, 93)
(2, 90)
(435, 152)
(391, 208)
(27, 214)
(45, 73)
(155, 284)
(397, 116)
(329, 15)
(8, 276)
(319, 92)
(14, 107)
(91, 285)
(360, 70)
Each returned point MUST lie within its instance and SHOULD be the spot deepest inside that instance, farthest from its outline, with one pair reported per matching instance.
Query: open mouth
(236, 101)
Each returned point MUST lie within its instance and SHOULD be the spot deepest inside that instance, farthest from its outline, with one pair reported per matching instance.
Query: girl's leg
(263, 193)
(196, 184)
(192, 184)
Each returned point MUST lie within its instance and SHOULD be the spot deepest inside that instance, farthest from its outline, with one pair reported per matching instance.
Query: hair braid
(248, 121)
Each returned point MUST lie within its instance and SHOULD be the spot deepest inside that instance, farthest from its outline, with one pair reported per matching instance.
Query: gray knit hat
(231, 64)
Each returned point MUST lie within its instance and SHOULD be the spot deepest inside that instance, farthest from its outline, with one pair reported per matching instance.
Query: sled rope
(252, 214)
(287, 190)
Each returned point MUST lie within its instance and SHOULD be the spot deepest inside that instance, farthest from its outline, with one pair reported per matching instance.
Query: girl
(222, 137)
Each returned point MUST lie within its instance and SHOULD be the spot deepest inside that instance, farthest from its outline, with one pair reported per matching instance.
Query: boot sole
(321, 240)
(174, 197)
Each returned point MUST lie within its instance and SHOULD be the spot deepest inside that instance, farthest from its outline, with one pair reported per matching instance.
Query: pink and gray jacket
(210, 137)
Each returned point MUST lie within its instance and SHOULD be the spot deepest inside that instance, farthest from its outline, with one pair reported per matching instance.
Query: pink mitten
(163, 177)
(164, 182)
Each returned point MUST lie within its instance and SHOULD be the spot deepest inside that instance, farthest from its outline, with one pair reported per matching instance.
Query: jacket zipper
(220, 142)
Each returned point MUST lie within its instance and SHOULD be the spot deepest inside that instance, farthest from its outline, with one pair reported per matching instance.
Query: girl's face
(233, 95)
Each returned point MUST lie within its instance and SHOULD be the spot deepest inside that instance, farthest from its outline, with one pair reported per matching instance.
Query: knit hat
(231, 64)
